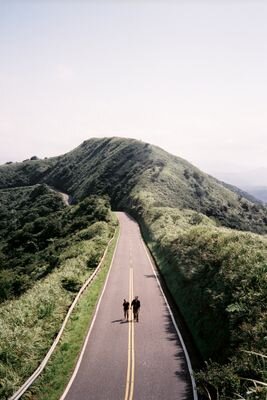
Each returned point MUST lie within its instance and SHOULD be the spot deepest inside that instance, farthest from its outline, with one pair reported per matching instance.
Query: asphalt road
(131, 360)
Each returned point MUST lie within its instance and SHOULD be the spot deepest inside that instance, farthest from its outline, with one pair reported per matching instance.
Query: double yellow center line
(130, 369)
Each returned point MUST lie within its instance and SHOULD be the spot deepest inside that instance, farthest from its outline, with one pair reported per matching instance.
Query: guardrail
(38, 371)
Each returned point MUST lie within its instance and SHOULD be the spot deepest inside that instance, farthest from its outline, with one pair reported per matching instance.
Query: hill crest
(133, 174)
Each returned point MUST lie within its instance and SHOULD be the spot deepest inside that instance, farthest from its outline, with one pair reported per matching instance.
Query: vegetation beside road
(53, 380)
(217, 275)
(31, 316)
(38, 228)
(218, 278)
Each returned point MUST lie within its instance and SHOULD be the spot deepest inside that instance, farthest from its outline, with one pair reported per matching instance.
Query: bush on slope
(219, 280)
(31, 318)
(37, 228)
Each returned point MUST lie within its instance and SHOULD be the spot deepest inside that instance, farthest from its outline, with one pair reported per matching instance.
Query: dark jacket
(136, 304)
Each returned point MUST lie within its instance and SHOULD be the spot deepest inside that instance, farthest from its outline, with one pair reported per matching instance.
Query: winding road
(124, 360)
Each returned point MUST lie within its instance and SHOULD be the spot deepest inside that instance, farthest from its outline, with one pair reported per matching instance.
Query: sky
(189, 76)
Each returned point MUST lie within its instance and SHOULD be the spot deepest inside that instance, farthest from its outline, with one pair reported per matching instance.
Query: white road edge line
(174, 323)
(91, 328)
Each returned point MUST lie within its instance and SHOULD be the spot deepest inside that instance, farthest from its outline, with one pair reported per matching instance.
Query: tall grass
(51, 383)
(218, 278)
(29, 324)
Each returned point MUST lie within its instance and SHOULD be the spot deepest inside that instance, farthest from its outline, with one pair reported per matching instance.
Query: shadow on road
(182, 372)
(150, 276)
(121, 321)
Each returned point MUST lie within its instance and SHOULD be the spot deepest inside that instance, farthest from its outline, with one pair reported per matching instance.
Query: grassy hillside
(47, 251)
(28, 224)
(26, 173)
(217, 275)
(36, 227)
(136, 175)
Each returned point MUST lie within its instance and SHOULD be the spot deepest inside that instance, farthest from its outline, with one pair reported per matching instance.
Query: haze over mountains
(254, 181)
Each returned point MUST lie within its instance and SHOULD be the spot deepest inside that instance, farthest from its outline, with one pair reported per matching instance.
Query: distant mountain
(259, 192)
(248, 194)
(136, 175)
(244, 177)
(252, 181)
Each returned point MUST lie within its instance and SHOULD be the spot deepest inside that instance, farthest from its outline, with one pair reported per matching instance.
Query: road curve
(128, 360)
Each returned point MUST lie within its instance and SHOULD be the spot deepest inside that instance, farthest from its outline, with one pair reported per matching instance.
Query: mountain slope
(217, 276)
(136, 174)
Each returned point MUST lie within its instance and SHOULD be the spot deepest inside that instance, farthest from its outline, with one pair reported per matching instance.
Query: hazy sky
(189, 76)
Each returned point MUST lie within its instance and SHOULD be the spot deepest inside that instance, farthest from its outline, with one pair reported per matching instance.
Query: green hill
(47, 251)
(209, 240)
(136, 175)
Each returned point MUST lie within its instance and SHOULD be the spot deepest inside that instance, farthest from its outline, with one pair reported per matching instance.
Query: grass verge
(51, 383)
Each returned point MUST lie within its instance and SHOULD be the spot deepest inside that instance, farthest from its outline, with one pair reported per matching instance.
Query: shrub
(71, 283)
(218, 278)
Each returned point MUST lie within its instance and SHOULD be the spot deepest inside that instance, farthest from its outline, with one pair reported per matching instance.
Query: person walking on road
(136, 307)
(126, 309)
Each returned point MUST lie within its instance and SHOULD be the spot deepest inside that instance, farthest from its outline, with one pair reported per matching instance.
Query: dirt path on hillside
(67, 199)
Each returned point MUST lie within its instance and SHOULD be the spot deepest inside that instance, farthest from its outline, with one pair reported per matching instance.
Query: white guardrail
(38, 371)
